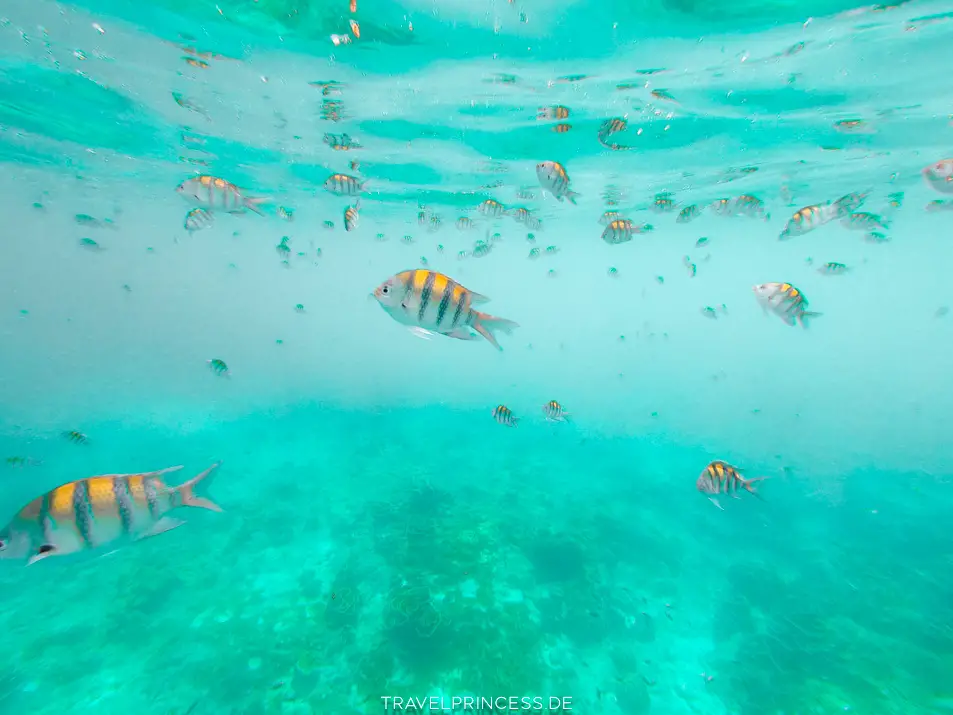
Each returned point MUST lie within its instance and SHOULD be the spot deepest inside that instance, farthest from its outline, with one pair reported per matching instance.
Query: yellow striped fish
(211, 192)
(344, 185)
(553, 177)
(721, 478)
(429, 302)
(557, 112)
(98, 511)
(785, 301)
(352, 216)
(555, 412)
(504, 415)
(807, 219)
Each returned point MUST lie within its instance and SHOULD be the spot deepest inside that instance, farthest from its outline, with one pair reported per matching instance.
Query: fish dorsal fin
(476, 298)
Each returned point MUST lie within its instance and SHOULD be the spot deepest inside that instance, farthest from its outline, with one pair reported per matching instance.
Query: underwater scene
(432, 356)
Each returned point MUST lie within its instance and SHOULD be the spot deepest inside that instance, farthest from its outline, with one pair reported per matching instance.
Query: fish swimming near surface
(352, 216)
(940, 176)
(429, 302)
(555, 412)
(98, 511)
(212, 193)
(849, 203)
(504, 415)
(491, 208)
(721, 478)
(557, 112)
(832, 268)
(939, 205)
(553, 177)
(622, 230)
(785, 301)
(864, 221)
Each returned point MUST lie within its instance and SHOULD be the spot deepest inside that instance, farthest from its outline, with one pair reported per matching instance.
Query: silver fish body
(553, 177)
(785, 301)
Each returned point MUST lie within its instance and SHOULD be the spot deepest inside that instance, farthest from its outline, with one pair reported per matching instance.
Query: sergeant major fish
(807, 219)
(431, 302)
(785, 301)
(940, 176)
(721, 478)
(553, 177)
(197, 219)
(504, 415)
(344, 185)
(211, 192)
(554, 412)
(99, 511)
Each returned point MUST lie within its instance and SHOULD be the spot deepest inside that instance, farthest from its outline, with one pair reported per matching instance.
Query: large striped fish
(213, 193)
(430, 302)
(721, 478)
(99, 511)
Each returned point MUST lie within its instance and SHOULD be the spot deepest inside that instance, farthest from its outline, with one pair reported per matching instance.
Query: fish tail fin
(807, 316)
(188, 495)
(254, 203)
(747, 483)
(486, 324)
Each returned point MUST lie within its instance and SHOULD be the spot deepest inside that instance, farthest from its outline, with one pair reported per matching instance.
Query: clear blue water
(382, 535)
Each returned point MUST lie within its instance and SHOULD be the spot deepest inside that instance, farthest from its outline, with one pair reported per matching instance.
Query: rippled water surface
(386, 529)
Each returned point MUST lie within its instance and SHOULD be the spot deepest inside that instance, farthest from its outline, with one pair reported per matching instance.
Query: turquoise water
(383, 536)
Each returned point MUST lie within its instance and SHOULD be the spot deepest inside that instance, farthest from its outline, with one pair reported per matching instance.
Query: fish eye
(384, 290)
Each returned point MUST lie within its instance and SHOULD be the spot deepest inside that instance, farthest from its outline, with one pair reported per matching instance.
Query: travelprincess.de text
(474, 703)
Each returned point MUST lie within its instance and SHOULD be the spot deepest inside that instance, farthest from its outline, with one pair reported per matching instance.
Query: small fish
(832, 268)
(90, 245)
(525, 194)
(895, 201)
(465, 223)
(940, 176)
(853, 126)
(329, 225)
(99, 511)
(218, 367)
(555, 412)
(702, 241)
(785, 301)
(355, 28)
(692, 268)
(211, 192)
(435, 223)
(286, 213)
(876, 237)
(190, 105)
(863, 221)
(748, 205)
(504, 415)
(522, 215)
(423, 216)
(341, 142)
(664, 95)
(849, 203)
(557, 112)
(352, 216)
(939, 205)
(435, 303)
(481, 249)
(534, 253)
(463, 255)
(76, 437)
(807, 219)
(561, 128)
(610, 127)
(663, 203)
(407, 240)
(87, 220)
(282, 248)
(200, 64)
(344, 185)
(721, 478)
(613, 272)
(531, 238)
(553, 177)
(688, 214)
(299, 308)
(609, 216)
(198, 219)
(491, 208)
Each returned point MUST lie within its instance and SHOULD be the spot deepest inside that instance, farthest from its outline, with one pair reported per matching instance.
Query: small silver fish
(688, 214)
(344, 185)
(198, 219)
(832, 268)
(211, 192)
(286, 213)
(491, 208)
(352, 216)
(863, 221)
(555, 412)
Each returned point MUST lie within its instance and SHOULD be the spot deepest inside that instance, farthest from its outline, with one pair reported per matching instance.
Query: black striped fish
(504, 415)
(688, 214)
(211, 192)
(429, 302)
(352, 216)
(344, 185)
(555, 412)
(491, 208)
(721, 478)
(785, 301)
(197, 219)
(553, 177)
(98, 511)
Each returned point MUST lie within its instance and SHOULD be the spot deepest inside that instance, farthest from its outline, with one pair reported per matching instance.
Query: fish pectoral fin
(41, 553)
(421, 332)
(715, 502)
(462, 334)
(166, 523)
